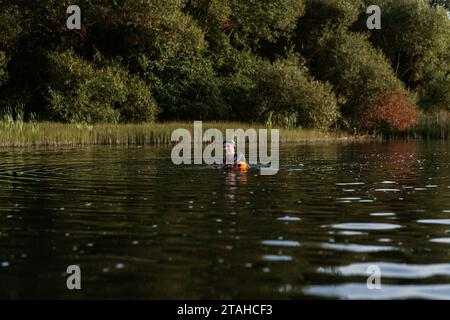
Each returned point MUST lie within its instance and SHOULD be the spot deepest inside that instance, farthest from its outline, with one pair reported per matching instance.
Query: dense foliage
(389, 111)
(294, 63)
(3, 74)
(80, 93)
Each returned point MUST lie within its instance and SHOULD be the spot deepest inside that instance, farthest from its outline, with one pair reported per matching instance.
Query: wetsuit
(239, 162)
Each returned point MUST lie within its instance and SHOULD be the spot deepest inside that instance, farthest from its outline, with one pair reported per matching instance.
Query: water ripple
(361, 291)
(357, 247)
(366, 226)
(434, 221)
(393, 270)
(269, 257)
(281, 243)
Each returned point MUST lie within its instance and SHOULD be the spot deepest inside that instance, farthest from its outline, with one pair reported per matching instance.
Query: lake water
(141, 227)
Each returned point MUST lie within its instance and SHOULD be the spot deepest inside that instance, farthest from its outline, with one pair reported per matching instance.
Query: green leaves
(3, 73)
(10, 26)
(346, 59)
(414, 36)
(417, 42)
(303, 63)
(247, 24)
(80, 92)
(284, 89)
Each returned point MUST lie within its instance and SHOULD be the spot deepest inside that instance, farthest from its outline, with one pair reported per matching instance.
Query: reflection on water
(141, 227)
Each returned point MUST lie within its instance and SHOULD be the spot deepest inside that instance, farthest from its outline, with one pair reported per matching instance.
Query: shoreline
(53, 134)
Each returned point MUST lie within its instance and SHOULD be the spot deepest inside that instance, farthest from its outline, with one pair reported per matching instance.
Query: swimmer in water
(232, 158)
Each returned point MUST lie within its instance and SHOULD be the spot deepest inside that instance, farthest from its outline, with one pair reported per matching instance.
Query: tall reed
(433, 125)
(14, 132)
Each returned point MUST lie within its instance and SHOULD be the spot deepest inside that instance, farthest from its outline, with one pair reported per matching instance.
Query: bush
(284, 89)
(389, 111)
(186, 89)
(237, 72)
(80, 92)
(358, 71)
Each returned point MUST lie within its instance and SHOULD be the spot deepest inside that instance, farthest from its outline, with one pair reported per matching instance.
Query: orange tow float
(242, 166)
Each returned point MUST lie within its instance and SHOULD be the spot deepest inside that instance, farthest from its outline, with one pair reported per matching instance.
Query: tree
(357, 71)
(3, 73)
(323, 19)
(434, 94)
(247, 24)
(10, 26)
(415, 37)
(303, 63)
(123, 29)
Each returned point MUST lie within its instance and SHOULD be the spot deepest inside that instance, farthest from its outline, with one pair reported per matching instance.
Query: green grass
(17, 133)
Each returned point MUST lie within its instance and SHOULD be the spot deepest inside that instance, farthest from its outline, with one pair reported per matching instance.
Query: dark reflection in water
(141, 227)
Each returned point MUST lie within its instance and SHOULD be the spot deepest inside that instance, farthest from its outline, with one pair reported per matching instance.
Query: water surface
(141, 227)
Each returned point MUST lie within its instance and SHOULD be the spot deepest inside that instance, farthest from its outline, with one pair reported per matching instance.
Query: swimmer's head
(229, 149)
